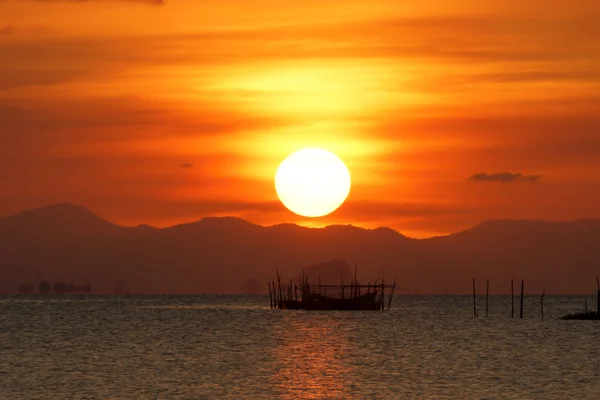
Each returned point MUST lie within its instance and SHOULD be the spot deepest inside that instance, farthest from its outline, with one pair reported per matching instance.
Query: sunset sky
(447, 113)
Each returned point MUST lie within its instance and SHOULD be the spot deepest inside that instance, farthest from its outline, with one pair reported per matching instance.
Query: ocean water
(220, 347)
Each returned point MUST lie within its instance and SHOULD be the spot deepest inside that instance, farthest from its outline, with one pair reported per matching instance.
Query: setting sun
(312, 182)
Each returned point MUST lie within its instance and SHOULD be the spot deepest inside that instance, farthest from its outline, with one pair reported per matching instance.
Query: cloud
(158, 2)
(13, 78)
(504, 177)
(187, 165)
(7, 30)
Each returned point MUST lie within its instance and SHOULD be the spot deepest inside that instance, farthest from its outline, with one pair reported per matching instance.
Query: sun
(312, 182)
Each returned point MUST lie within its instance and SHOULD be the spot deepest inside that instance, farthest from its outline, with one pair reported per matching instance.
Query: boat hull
(368, 302)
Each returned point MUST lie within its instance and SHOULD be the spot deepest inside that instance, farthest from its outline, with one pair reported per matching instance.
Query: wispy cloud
(7, 30)
(158, 2)
(505, 177)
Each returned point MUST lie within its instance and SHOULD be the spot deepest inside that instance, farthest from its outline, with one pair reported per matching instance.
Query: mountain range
(68, 243)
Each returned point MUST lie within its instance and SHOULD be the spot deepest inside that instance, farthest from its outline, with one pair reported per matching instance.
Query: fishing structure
(346, 297)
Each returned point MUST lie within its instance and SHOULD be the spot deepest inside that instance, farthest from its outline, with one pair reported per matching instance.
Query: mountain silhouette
(328, 273)
(68, 243)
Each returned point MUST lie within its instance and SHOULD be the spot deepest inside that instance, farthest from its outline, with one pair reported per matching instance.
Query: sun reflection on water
(311, 360)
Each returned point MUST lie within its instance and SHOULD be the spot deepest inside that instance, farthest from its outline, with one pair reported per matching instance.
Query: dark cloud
(42, 123)
(12, 78)
(7, 30)
(505, 177)
(187, 165)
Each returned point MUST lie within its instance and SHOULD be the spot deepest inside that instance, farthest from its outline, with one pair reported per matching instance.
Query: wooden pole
(342, 282)
(522, 290)
(279, 290)
(598, 297)
(275, 303)
(487, 296)
(382, 295)
(355, 281)
(542, 302)
(474, 300)
(392, 295)
(512, 299)
(270, 295)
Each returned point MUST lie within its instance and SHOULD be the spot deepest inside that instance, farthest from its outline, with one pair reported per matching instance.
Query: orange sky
(162, 114)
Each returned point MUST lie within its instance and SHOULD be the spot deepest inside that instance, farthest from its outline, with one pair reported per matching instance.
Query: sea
(236, 347)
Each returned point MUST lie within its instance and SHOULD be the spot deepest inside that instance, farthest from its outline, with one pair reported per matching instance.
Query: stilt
(279, 290)
(598, 297)
(342, 281)
(522, 290)
(382, 295)
(391, 295)
(542, 302)
(270, 297)
(487, 296)
(355, 282)
(512, 299)
(474, 300)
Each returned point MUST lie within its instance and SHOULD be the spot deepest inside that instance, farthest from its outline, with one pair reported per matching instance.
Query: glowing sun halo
(312, 182)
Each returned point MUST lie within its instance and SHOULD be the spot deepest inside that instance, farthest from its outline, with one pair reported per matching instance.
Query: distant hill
(328, 273)
(68, 243)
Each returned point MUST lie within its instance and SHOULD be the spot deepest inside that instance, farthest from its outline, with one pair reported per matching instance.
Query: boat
(352, 297)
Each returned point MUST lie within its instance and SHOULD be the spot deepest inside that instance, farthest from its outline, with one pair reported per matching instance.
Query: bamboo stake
(474, 300)
(382, 294)
(280, 290)
(342, 281)
(598, 297)
(512, 299)
(303, 284)
(270, 296)
(392, 295)
(522, 290)
(487, 295)
(542, 302)
(355, 281)
(275, 302)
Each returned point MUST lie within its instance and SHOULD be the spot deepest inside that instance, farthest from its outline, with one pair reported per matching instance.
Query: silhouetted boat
(369, 301)
(329, 297)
